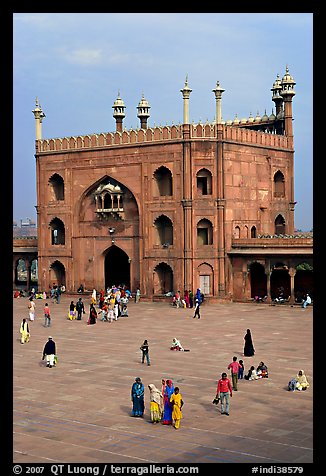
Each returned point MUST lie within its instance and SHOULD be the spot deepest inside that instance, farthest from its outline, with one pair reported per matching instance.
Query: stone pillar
(28, 274)
(187, 191)
(220, 204)
(268, 282)
(187, 209)
(38, 114)
(292, 272)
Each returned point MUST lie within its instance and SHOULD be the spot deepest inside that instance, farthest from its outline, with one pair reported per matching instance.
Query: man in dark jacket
(80, 308)
(49, 352)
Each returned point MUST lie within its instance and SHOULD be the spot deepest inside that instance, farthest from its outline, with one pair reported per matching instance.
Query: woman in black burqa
(248, 350)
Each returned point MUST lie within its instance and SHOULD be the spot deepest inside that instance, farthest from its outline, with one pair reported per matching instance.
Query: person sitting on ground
(302, 382)
(176, 344)
(307, 301)
(262, 371)
(80, 289)
(252, 374)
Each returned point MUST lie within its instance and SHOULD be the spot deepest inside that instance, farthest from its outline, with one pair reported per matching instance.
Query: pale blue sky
(76, 63)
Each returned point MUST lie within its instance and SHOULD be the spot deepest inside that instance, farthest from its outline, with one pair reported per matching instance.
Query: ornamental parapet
(286, 241)
(207, 131)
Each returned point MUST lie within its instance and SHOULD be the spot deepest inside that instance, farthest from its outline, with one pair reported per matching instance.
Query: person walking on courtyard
(156, 403)
(191, 299)
(94, 297)
(145, 352)
(49, 352)
(137, 296)
(24, 331)
(92, 315)
(234, 367)
(47, 315)
(58, 294)
(72, 311)
(137, 398)
(31, 309)
(80, 308)
(197, 307)
(224, 392)
(177, 402)
(248, 350)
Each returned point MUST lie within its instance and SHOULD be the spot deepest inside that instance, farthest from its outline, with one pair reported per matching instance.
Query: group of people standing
(189, 300)
(112, 305)
(165, 404)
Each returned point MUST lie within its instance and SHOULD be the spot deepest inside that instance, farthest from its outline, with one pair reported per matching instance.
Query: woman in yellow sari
(156, 403)
(302, 382)
(24, 330)
(177, 402)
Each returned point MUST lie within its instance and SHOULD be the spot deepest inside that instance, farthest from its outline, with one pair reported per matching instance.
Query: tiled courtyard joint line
(80, 411)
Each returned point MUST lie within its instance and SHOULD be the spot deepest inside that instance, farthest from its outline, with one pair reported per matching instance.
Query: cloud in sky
(77, 62)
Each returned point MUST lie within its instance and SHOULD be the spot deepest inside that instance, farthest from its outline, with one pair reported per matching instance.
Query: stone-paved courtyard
(80, 411)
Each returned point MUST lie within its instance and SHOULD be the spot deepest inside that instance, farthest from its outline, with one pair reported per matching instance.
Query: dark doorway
(116, 268)
(162, 279)
(258, 280)
(280, 283)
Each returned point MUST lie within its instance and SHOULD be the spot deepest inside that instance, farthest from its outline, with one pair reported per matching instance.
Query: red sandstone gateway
(177, 207)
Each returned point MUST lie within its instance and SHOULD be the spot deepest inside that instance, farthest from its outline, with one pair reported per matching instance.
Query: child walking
(177, 402)
(241, 369)
(47, 315)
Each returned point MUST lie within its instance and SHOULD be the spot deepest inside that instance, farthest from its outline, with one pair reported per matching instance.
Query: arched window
(56, 188)
(279, 185)
(164, 231)
(163, 182)
(253, 232)
(57, 232)
(204, 182)
(236, 233)
(204, 232)
(279, 225)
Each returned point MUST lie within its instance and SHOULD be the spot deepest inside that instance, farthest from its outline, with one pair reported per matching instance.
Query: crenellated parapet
(156, 134)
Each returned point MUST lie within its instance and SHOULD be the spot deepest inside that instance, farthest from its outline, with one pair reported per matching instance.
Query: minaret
(218, 91)
(287, 94)
(186, 93)
(38, 114)
(143, 112)
(276, 97)
(119, 112)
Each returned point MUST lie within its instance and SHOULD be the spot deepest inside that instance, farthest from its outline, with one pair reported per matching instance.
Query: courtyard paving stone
(80, 410)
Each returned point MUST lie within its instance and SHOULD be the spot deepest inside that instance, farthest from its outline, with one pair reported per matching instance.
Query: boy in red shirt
(47, 315)
(234, 366)
(224, 392)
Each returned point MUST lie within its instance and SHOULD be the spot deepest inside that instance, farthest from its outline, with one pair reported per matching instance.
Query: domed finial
(119, 112)
(143, 112)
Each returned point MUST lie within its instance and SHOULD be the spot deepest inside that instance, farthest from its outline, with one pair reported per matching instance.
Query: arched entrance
(57, 273)
(280, 281)
(258, 280)
(116, 267)
(162, 279)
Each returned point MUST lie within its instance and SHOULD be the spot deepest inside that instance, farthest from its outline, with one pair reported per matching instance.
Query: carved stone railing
(162, 134)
